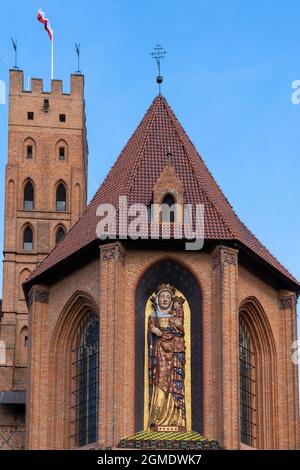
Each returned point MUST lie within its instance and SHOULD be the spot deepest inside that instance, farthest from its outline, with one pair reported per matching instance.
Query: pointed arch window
(27, 238)
(86, 379)
(61, 150)
(28, 196)
(168, 212)
(29, 152)
(23, 345)
(60, 233)
(61, 197)
(248, 402)
(29, 148)
(61, 153)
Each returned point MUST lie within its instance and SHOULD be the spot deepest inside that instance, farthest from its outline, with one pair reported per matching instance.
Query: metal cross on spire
(158, 54)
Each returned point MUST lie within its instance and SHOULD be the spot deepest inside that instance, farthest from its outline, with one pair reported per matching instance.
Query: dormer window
(168, 209)
(168, 197)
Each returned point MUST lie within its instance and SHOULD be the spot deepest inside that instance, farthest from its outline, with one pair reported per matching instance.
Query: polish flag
(42, 19)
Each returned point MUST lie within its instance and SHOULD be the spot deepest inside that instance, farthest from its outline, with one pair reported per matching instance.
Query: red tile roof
(135, 173)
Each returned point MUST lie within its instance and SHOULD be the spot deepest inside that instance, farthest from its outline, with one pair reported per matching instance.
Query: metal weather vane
(15, 46)
(77, 48)
(158, 54)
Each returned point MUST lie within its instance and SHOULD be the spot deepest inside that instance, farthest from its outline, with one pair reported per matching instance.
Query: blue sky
(228, 75)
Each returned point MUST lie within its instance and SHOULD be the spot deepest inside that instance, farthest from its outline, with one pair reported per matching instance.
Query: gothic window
(27, 239)
(60, 233)
(168, 213)
(29, 148)
(23, 345)
(28, 196)
(247, 385)
(61, 197)
(29, 152)
(86, 379)
(61, 150)
(61, 153)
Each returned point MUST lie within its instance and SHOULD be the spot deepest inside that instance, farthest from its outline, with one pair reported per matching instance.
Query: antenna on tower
(77, 48)
(15, 46)
(158, 54)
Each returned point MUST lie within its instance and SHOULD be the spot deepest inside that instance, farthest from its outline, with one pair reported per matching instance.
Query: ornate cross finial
(158, 54)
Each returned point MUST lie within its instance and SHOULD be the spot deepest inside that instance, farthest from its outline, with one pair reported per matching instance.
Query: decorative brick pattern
(287, 302)
(112, 252)
(37, 295)
(12, 438)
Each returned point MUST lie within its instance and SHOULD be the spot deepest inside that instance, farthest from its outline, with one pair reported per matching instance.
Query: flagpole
(52, 67)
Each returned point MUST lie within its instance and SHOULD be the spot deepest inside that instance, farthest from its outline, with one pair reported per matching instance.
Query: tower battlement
(37, 86)
(46, 109)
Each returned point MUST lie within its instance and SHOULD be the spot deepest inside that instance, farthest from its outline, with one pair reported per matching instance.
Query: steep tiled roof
(135, 173)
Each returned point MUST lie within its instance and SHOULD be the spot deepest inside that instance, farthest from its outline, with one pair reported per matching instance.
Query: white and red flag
(42, 19)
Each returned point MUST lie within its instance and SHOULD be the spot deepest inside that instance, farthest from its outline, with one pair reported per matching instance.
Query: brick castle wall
(111, 282)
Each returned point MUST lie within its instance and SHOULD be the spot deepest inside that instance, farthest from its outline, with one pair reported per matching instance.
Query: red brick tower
(45, 194)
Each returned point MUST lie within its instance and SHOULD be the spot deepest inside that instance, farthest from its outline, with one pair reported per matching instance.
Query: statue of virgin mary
(166, 348)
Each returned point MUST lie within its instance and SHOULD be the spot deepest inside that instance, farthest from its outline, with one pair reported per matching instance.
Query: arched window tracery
(86, 380)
